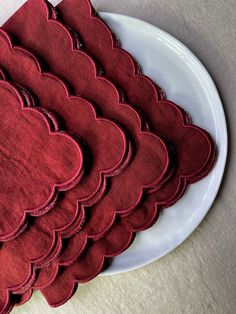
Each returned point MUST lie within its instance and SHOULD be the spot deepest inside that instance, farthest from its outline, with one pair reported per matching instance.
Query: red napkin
(107, 142)
(35, 246)
(37, 162)
(194, 148)
(206, 166)
(12, 61)
(41, 33)
(121, 234)
(103, 45)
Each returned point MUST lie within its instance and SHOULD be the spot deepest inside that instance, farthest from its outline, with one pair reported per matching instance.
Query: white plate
(185, 81)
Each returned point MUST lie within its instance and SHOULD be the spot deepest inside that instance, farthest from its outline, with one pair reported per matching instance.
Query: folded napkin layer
(193, 167)
(42, 33)
(12, 59)
(107, 142)
(34, 246)
(193, 146)
(175, 185)
(187, 135)
(140, 90)
(37, 161)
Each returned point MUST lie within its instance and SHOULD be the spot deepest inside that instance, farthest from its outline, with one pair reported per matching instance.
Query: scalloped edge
(165, 149)
(124, 161)
(52, 17)
(122, 164)
(158, 92)
(205, 169)
(115, 44)
(144, 188)
(185, 118)
(57, 188)
(157, 209)
(126, 156)
(119, 98)
(105, 257)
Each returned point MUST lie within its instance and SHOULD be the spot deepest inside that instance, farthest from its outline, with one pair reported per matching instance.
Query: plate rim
(224, 151)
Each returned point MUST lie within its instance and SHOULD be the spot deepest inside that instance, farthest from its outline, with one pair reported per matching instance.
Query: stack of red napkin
(91, 150)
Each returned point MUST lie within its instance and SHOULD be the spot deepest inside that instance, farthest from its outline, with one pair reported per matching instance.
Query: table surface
(200, 275)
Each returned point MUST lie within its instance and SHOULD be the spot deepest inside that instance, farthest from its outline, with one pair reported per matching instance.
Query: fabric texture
(34, 165)
(35, 153)
(34, 245)
(153, 143)
(56, 47)
(199, 276)
(138, 223)
(145, 212)
(106, 142)
(129, 234)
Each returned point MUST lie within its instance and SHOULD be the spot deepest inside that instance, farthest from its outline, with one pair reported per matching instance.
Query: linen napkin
(207, 165)
(42, 33)
(37, 162)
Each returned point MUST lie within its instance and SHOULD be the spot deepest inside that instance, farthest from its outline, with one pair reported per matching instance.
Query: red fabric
(121, 234)
(98, 40)
(37, 162)
(38, 30)
(22, 299)
(106, 141)
(17, 61)
(102, 44)
(34, 166)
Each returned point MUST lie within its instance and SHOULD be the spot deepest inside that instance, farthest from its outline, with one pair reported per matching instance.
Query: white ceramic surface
(186, 82)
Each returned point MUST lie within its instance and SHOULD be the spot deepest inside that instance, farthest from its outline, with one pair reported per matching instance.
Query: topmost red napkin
(195, 149)
(36, 160)
(99, 40)
(41, 33)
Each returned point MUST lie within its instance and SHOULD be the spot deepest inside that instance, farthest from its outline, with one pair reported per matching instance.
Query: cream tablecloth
(199, 276)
